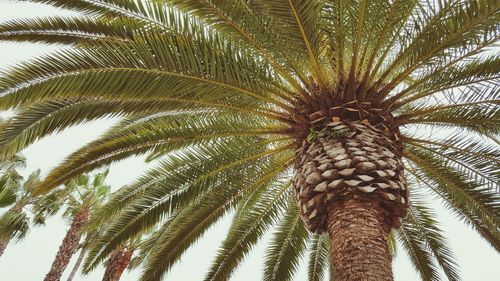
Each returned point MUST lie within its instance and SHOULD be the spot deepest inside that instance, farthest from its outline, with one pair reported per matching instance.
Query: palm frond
(14, 225)
(193, 221)
(480, 118)
(61, 30)
(174, 65)
(52, 116)
(287, 245)
(385, 21)
(179, 181)
(420, 219)
(450, 32)
(418, 252)
(319, 252)
(152, 13)
(254, 216)
(157, 136)
(7, 194)
(253, 26)
(477, 161)
(478, 71)
(477, 206)
(301, 21)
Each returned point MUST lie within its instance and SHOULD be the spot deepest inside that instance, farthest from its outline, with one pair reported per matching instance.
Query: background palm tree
(256, 105)
(25, 208)
(10, 179)
(119, 260)
(81, 196)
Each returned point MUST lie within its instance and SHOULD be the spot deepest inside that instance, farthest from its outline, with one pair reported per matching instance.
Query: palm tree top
(223, 93)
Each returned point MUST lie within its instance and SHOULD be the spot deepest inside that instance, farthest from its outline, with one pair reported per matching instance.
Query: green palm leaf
(254, 216)
(476, 205)
(57, 30)
(319, 250)
(287, 245)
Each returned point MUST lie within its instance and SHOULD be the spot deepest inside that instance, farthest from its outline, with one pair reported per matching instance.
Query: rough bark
(77, 264)
(68, 247)
(358, 232)
(116, 264)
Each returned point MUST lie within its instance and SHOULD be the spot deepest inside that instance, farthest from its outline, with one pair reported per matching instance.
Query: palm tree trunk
(117, 263)
(352, 185)
(68, 247)
(358, 233)
(77, 264)
(3, 245)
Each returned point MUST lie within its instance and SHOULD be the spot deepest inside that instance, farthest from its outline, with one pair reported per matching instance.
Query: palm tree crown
(233, 98)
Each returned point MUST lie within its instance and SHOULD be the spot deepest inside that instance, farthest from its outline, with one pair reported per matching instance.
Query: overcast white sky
(30, 259)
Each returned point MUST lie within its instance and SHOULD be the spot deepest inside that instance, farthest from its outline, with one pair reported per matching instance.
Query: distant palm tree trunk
(359, 249)
(3, 245)
(68, 247)
(77, 264)
(117, 263)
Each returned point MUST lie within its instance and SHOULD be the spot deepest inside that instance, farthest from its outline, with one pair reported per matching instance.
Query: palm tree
(10, 179)
(81, 195)
(122, 256)
(25, 208)
(320, 118)
(91, 234)
(118, 260)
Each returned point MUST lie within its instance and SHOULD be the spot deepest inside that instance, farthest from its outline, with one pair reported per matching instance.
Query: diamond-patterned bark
(361, 161)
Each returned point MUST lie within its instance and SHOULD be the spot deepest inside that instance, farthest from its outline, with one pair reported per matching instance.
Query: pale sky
(30, 259)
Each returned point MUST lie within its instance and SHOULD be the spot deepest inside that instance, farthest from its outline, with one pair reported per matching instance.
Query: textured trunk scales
(349, 182)
(116, 264)
(68, 247)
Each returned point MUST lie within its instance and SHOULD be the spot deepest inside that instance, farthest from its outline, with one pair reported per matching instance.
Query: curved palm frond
(180, 181)
(157, 136)
(255, 214)
(60, 30)
(193, 221)
(319, 251)
(477, 206)
(180, 65)
(421, 220)
(52, 116)
(454, 30)
(287, 245)
(479, 118)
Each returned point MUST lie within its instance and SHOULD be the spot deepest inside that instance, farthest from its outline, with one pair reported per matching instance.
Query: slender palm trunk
(3, 245)
(351, 185)
(358, 235)
(77, 264)
(117, 263)
(68, 247)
